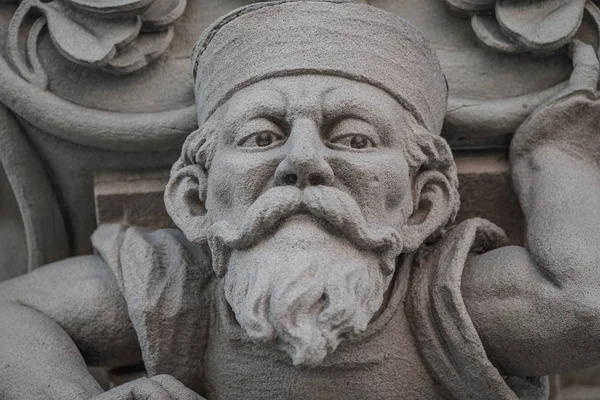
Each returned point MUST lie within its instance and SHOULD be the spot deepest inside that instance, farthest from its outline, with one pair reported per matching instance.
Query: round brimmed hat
(326, 37)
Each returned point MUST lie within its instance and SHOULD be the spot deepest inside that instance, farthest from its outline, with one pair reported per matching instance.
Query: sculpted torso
(315, 258)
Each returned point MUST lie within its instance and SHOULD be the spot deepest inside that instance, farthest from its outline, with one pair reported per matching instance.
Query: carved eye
(261, 133)
(355, 141)
(354, 134)
(261, 139)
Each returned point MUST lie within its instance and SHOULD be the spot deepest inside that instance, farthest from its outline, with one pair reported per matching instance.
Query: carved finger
(175, 388)
(147, 389)
(585, 67)
(584, 78)
(123, 392)
(140, 389)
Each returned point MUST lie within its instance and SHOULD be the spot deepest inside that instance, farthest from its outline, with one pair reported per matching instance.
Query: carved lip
(302, 219)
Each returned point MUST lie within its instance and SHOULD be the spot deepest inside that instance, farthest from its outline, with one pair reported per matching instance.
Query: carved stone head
(317, 163)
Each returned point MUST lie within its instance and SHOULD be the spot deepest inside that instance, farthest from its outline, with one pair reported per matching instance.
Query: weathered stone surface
(315, 254)
(486, 191)
(485, 188)
(12, 233)
(134, 199)
(150, 111)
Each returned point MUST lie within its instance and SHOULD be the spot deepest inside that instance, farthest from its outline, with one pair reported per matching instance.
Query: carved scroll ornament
(118, 36)
(515, 26)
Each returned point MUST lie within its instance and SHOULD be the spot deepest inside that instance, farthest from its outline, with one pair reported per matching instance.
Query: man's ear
(185, 197)
(435, 201)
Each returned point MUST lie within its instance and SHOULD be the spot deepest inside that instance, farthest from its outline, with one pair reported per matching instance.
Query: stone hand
(570, 124)
(568, 121)
(159, 387)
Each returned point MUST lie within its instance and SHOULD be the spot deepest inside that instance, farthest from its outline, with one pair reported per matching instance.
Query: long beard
(310, 283)
(305, 291)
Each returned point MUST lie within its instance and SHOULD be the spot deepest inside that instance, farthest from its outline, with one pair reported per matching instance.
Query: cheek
(235, 181)
(379, 183)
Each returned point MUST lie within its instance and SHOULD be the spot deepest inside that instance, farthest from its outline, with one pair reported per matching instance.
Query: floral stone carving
(517, 26)
(118, 36)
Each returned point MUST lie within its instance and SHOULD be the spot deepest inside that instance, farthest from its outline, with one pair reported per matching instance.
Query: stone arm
(537, 310)
(56, 319)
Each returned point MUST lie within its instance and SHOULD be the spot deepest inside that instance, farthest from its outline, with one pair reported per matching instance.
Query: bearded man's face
(307, 193)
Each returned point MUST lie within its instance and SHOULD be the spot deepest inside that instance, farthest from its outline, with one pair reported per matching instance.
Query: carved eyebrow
(386, 115)
(349, 109)
(268, 103)
(340, 103)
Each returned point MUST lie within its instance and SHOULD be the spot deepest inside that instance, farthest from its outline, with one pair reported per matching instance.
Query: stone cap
(330, 37)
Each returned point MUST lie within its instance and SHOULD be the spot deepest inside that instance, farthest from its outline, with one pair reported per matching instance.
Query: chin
(304, 289)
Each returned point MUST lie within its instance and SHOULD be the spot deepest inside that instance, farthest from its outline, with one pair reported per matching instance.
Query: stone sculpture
(95, 34)
(315, 256)
(525, 27)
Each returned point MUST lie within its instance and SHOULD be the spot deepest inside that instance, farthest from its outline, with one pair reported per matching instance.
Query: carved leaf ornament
(526, 26)
(118, 36)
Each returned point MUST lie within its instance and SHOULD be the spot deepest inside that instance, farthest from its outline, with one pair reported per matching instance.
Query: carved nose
(304, 164)
(314, 179)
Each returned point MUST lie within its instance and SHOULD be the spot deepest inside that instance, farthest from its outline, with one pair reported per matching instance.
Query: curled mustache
(327, 203)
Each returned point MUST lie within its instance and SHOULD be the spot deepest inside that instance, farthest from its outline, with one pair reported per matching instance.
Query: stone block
(486, 192)
(132, 198)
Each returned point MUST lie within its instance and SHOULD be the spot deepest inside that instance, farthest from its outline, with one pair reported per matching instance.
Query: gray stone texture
(319, 249)
(485, 189)
(151, 111)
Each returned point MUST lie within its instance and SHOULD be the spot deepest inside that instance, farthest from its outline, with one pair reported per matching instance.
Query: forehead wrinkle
(255, 103)
(306, 103)
(370, 102)
(343, 102)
